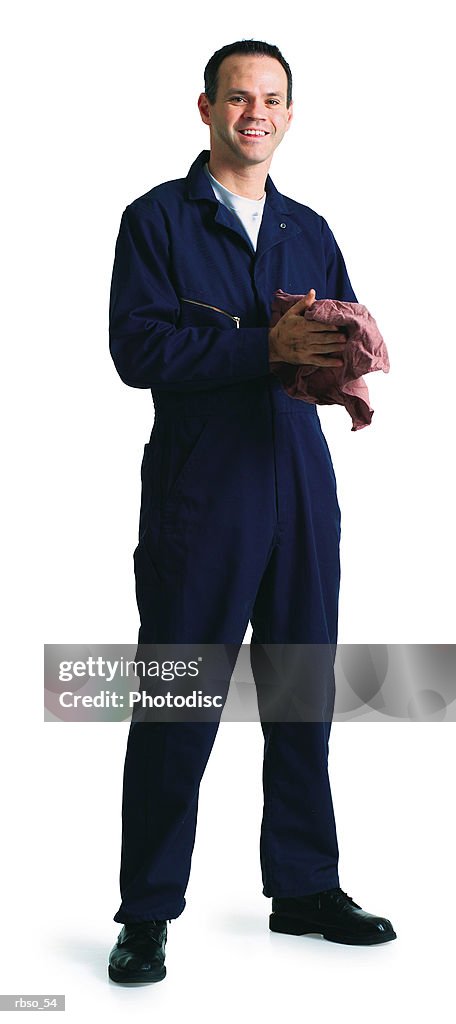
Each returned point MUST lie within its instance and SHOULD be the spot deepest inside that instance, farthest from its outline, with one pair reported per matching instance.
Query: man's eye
(234, 99)
(274, 101)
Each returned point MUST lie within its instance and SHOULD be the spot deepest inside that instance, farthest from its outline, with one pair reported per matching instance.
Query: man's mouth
(256, 133)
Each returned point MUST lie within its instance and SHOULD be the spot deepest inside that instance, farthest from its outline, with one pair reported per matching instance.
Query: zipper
(206, 305)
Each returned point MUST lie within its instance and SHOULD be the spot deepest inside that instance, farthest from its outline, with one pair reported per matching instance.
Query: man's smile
(253, 133)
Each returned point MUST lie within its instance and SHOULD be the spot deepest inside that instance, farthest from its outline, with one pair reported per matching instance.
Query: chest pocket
(194, 313)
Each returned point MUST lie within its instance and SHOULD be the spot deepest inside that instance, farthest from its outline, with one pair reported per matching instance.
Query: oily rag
(364, 352)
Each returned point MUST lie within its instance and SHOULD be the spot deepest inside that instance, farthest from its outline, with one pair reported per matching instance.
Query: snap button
(282, 225)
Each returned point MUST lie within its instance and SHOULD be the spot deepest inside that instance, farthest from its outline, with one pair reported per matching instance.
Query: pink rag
(335, 385)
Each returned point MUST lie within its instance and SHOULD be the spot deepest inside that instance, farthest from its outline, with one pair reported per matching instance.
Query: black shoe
(139, 953)
(332, 914)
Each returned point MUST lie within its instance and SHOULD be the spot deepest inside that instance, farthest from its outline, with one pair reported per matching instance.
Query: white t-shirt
(249, 211)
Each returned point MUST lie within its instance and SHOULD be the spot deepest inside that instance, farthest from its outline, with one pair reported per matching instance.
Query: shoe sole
(116, 974)
(293, 926)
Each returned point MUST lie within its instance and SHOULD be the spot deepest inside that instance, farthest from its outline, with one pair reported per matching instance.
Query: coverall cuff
(253, 351)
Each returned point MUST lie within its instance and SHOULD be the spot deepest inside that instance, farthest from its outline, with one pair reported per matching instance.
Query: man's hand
(297, 340)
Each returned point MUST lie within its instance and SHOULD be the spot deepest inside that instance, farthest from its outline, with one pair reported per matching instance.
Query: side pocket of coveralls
(175, 475)
(184, 467)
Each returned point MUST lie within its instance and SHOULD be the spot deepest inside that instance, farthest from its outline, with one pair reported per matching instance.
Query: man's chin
(253, 155)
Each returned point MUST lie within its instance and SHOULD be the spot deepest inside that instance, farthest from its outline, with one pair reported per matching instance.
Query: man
(239, 516)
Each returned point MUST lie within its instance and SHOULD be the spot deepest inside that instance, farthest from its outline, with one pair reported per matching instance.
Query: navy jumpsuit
(239, 516)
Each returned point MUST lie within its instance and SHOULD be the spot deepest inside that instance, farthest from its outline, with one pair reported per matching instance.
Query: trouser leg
(164, 765)
(298, 842)
(296, 606)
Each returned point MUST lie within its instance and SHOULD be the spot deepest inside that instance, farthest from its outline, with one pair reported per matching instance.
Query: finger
(338, 350)
(316, 325)
(324, 361)
(320, 349)
(323, 343)
(320, 342)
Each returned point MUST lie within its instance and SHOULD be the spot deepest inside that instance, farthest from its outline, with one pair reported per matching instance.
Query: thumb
(310, 298)
(304, 303)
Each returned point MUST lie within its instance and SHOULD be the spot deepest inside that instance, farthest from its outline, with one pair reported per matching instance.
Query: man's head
(247, 102)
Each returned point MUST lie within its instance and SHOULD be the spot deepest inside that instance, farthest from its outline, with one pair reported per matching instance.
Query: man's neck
(243, 181)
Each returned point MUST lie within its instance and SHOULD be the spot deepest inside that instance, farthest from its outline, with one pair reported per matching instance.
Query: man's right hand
(297, 340)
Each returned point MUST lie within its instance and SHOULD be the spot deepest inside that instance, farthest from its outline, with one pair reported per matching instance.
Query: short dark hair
(242, 46)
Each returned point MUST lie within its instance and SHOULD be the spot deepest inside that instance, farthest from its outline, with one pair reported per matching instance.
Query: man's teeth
(251, 131)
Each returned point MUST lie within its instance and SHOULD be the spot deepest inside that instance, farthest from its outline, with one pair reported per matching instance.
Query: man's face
(250, 116)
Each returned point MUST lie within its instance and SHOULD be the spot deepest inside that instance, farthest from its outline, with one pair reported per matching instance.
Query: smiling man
(239, 517)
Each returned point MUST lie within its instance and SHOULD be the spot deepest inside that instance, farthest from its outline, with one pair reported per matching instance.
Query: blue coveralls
(239, 515)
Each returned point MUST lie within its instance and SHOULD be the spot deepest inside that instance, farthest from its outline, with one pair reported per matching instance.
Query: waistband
(234, 398)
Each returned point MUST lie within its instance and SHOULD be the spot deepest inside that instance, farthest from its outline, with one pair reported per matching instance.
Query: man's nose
(255, 110)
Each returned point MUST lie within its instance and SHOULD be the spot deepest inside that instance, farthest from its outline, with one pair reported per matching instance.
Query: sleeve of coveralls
(338, 284)
(148, 348)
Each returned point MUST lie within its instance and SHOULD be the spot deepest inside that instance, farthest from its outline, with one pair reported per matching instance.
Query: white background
(99, 106)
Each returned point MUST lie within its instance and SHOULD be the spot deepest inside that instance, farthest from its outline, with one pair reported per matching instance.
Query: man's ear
(290, 114)
(204, 108)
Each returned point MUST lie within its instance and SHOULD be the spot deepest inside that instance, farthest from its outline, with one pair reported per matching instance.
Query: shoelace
(146, 930)
(340, 893)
